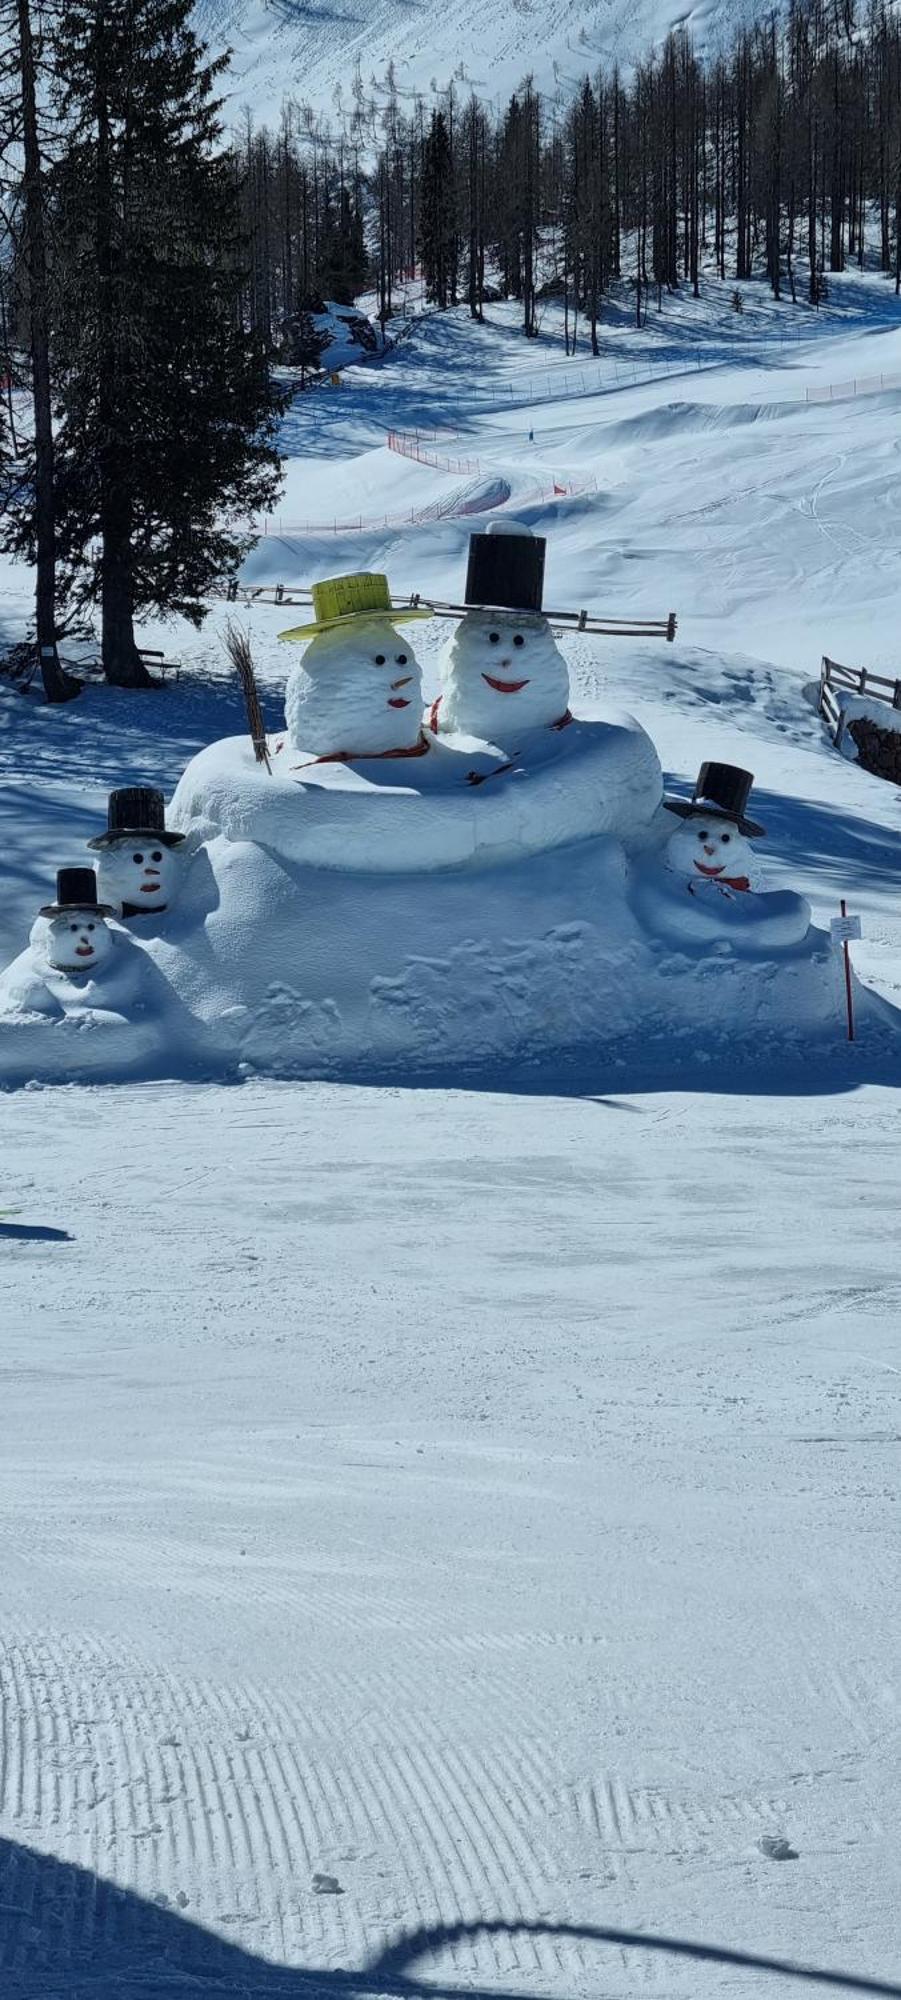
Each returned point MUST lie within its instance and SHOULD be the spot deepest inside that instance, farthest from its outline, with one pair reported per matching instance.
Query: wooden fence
(854, 680)
(564, 621)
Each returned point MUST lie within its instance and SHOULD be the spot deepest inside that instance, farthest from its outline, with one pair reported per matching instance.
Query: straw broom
(238, 647)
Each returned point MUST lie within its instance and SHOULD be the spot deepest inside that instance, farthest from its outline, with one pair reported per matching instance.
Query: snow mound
(454, 912)
(462, 803)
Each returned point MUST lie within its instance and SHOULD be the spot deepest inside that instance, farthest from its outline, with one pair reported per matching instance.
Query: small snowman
(357, 692)
(710, 849)
(68, 952)
(139, 870)
(503, 672)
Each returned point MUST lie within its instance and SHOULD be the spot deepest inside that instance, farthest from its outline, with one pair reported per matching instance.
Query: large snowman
(503, 673)
(710, 850)
(357, 691)
(139, 871)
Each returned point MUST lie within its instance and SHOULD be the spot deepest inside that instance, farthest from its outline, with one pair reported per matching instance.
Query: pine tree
(166, 413)
(436, 217)
(343, 265)
(20, 63)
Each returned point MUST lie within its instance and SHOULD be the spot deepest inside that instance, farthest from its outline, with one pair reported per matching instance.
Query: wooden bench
(158, 664)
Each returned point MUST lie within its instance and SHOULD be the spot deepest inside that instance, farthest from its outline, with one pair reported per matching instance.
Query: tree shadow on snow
(32, 1232)
(818, 836)
(67, 1934)
(112, 736)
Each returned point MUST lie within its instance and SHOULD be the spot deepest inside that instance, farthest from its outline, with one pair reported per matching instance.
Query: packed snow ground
(488, 1499)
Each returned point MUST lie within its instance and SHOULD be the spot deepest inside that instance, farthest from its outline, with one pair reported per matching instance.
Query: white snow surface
(486, 1498)
(289, 48)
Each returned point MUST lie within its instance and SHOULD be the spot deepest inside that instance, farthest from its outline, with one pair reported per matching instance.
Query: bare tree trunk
(58, 685)
(122, 663)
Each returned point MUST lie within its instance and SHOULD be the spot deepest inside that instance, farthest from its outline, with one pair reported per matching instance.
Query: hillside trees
(769, 154)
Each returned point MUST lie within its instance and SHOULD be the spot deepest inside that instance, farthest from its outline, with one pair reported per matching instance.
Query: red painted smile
(504, 687)
(149, 888)
(84, 951)
(398, 701)
(709, 871)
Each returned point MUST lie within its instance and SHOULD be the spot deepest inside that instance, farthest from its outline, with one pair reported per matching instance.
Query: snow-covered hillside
(287, 48)
(484, 1498)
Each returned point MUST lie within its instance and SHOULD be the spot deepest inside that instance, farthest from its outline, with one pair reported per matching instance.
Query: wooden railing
(564, 621)
(856, 680)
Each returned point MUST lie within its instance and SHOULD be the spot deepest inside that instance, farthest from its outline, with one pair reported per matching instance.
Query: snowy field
(487, 1499)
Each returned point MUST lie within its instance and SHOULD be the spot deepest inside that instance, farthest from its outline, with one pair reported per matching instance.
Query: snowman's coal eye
(725, 838)
(91, 927)
(401, 659)
(495, 638)
(703, 835)
(157, 854)
(380, 659)
(518, 639)
(138, 860)
(73, 927)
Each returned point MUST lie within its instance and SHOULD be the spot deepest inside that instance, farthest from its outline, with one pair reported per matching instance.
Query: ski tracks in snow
(222, 1802)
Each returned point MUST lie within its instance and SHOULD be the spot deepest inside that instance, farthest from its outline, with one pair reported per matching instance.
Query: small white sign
(844, 929)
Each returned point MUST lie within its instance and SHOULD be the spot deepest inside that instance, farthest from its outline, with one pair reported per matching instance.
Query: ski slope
(287, 48)
(487, 1499)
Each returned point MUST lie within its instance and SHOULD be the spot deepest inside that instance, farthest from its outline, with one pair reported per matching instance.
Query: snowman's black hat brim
(511, 612)
(149, 833)
(90, 909)
(696, 809)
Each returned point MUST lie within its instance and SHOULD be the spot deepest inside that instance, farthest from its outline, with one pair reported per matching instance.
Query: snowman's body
(72, 964)
(711, 854)
(357, 692)
(502, 674)
(138, 876)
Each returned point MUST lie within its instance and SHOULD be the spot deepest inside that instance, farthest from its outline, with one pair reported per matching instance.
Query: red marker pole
(848, 987)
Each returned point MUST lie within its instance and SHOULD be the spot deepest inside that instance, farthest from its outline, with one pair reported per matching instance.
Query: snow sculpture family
(418, 889)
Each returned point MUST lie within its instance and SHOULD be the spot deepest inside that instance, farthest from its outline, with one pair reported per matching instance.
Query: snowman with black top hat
(503, 672)
(73, 961)
(710, 849)
(139, 869)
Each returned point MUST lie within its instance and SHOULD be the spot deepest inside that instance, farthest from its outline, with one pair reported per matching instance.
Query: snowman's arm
(23, 991)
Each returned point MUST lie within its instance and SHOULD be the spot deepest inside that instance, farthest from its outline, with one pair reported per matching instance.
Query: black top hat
(76, 889)
(506, 572)
(137, 812)
(721, 792)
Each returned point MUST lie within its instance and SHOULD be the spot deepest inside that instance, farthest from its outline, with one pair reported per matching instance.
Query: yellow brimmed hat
(342, 600)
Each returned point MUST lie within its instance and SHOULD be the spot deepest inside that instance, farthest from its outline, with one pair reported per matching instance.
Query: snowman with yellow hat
(357, 691)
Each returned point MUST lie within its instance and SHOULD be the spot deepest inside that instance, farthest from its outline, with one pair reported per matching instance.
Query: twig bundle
(238, 645)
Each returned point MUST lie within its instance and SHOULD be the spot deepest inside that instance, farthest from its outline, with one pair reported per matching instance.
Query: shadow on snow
(67, 1934)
